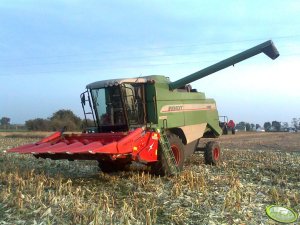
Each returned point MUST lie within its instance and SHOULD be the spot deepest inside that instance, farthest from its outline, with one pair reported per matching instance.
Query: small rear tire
(212, 153)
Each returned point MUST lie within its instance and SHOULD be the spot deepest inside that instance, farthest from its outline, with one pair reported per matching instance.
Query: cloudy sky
(50, 50)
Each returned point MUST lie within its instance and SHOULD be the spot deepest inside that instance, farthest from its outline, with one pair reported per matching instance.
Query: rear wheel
(161, 166)
(212, 153)
(225, 130)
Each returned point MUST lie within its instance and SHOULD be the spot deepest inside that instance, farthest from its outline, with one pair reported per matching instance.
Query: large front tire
(212, 153)
(161, 166)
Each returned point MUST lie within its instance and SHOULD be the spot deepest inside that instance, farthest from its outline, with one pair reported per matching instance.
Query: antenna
(138, 78)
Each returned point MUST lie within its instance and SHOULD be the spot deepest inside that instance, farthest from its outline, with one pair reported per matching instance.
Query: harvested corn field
(257, 169)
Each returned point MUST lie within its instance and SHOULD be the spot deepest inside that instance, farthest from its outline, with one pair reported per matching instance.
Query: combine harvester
(149, 120)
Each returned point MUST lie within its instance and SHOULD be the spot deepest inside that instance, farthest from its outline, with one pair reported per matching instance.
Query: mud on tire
(160, 167)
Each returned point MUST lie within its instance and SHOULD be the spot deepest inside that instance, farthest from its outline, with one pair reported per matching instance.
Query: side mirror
(83, 99)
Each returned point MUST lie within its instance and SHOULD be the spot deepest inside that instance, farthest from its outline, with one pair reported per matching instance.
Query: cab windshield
(108, 106)
(119, 107)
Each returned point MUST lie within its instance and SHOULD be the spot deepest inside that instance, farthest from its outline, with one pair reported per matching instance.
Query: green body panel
(179, 108)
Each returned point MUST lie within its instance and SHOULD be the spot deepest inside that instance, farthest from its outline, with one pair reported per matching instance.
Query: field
(257, 169)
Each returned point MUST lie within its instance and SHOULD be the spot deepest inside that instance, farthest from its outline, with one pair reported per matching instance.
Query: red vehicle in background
(226, 125)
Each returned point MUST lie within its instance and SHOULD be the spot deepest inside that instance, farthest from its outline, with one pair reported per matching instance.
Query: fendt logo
(188, 108)
(175, 108)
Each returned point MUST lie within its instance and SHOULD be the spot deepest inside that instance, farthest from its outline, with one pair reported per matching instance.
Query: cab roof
(143, 80)
(106, 83)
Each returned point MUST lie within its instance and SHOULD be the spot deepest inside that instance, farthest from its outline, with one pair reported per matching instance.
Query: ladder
(83, 102)
(168, 154)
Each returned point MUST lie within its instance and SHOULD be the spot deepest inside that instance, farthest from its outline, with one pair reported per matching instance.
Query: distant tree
(248, 127)
(285, 126)
(65, 118)
(252, 126)
(267, 126)
(38, 124)
(89, 123)
(5, 122)
(276, 125)
(257, 126)
(241, 126)
(242, 123)
(296, 123)
(60, 119)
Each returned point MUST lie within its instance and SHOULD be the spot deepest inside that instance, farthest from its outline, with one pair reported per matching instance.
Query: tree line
(66, 118)
(60, 119)
(270, 126)
(283, 126)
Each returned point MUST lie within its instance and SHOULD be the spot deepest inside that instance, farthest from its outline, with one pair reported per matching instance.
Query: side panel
(193, 132)
(188, 110)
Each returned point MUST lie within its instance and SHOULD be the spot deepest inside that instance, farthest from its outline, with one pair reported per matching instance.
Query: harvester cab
(150, 120)
(116, 105)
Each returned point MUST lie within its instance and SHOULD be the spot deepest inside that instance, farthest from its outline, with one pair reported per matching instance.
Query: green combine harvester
(150, 120)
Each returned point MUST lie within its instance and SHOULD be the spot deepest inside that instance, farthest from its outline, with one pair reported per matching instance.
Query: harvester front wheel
(161, 166)
(212, 153)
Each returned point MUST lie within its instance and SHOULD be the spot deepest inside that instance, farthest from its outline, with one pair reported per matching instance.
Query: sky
(50, 50)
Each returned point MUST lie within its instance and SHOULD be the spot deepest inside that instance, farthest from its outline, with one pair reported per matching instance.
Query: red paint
(140, 145)
(216, 153)
(176, 153)
(231, 124)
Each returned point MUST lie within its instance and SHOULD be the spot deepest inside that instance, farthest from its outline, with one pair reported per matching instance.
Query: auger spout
(267, 47)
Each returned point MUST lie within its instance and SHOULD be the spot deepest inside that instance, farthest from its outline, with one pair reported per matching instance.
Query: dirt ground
(281, 141)
(256, 170)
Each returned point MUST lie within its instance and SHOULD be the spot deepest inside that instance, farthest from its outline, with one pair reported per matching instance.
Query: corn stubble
(36, 191)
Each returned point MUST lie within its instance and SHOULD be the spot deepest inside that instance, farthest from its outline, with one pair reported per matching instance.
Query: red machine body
(231, 124)
(138, 145)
